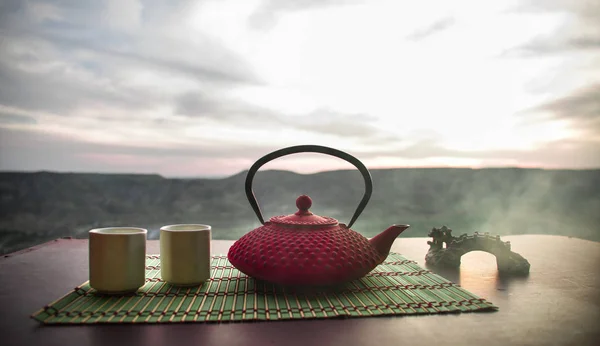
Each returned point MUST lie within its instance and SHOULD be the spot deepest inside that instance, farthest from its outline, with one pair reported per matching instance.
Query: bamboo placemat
(396, 287)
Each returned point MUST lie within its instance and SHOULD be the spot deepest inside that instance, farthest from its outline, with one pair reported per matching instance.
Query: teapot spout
(384, 240)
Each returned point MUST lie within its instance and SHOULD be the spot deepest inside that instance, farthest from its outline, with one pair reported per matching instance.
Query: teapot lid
(303, 217)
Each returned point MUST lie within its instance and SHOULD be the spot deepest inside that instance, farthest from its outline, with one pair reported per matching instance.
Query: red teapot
(306, 249)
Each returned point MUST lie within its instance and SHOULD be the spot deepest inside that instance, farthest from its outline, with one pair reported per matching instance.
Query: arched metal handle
(309, 149)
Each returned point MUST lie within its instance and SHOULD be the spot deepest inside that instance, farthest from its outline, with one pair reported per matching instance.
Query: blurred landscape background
(38, 207)
(148, 112)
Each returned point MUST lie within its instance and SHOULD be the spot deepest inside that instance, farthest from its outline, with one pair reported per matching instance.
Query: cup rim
(123, 230)
(186, 227)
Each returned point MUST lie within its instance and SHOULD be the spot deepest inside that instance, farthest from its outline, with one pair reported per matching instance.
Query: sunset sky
(204, 88)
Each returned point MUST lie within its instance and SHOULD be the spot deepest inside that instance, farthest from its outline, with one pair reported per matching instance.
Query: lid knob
(303, 217)
(303, 203)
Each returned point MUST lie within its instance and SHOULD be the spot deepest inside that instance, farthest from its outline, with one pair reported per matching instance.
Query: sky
(205, 88)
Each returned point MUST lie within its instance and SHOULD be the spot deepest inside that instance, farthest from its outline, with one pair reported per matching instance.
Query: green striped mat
(396, 287)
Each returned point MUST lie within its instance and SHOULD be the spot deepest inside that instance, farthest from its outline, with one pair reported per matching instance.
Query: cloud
(583, 104)
(216, 64)
(581, 108)
(62, 89)
(321, 121)
(432, 29)
(579, 153)
(585, 8)
(327, 121)
(8, 118)
(59, 56)
(579, 31)
(267, 14)
(225, 109)
(20, 151)
(553, 44)
(8, 8)
(16, 137)
(196, 104)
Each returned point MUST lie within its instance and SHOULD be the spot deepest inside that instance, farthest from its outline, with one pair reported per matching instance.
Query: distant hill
(37, 207)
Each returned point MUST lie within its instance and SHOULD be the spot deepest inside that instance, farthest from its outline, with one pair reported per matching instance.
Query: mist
(502, 201)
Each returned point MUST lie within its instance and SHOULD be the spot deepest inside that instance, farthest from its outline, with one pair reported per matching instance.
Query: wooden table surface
(557, 304)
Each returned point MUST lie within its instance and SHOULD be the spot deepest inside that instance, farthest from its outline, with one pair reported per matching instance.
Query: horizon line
(83, 172)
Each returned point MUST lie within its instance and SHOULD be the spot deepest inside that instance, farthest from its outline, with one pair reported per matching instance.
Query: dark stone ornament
(448, 256)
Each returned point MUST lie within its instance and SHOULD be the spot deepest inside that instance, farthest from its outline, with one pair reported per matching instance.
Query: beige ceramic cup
(185, 254)
(117, 259)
